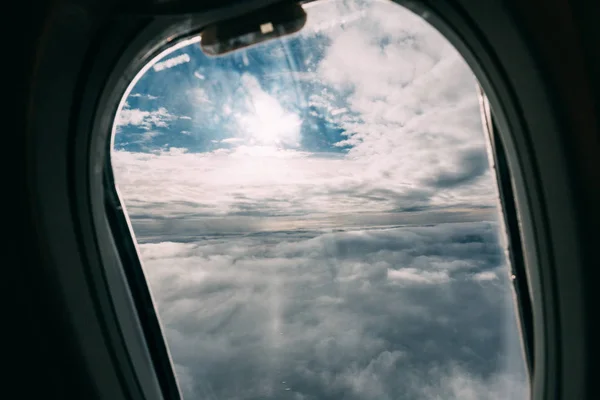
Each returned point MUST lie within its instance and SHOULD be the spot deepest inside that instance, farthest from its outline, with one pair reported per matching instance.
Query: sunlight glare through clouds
(266, 122)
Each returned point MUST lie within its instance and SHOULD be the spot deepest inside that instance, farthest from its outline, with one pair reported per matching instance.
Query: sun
(267, 123)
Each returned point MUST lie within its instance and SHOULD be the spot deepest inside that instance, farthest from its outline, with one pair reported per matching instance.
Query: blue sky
(276, 68)
(317, 216)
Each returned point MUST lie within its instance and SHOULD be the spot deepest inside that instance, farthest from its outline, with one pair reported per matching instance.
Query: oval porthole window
(317, 217)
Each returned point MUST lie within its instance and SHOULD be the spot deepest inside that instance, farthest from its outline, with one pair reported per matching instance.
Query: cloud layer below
(401, 313)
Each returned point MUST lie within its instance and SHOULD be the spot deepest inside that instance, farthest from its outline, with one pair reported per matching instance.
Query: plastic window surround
(116, 240)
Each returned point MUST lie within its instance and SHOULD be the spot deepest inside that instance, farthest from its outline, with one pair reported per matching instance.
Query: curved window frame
(118, 279)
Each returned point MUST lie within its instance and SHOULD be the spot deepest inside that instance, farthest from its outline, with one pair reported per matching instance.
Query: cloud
(158, 118)
(147, 96)
(172, 62)
(473, 164)
(485, 276)
(413, 275)
(407, 108)
(324, 312)
(419, 115)
(262, 181)
(232, 140)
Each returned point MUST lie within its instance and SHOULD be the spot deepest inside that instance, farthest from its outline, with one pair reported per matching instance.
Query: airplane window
(317, 216)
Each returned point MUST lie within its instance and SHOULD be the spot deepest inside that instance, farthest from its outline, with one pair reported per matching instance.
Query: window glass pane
(317, 217)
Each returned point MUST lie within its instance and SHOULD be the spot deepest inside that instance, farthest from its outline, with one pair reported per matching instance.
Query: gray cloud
(380, 313)
(473, 164)
(187, 227)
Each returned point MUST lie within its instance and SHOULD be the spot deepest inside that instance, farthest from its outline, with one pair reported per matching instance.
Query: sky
(317, 217)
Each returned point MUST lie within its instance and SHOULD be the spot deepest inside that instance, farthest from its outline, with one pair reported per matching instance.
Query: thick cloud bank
(397, 313)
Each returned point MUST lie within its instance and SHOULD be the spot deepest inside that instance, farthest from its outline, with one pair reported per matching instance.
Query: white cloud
(148, 96)
(338, 111)
(131, 117)
(232, 140)
(485, 276)
(172, 62)
(416, 97)
(274, 181)
(158, 118)
(414, 275)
